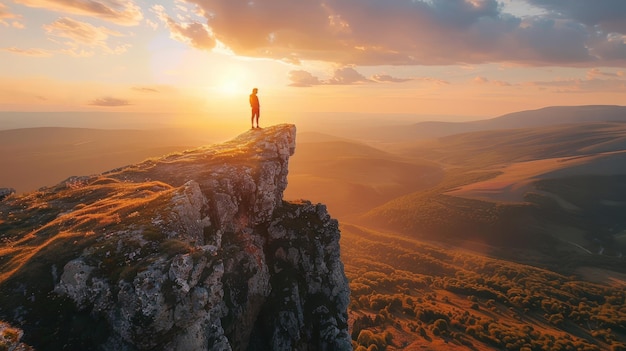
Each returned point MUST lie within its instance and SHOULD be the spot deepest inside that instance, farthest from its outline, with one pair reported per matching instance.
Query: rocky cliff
(191, 251)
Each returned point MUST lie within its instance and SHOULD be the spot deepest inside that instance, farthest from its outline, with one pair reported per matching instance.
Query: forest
(407, 293)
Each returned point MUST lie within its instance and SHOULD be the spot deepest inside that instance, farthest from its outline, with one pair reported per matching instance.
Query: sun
(232, 79)
(230, 87)
(229, 77)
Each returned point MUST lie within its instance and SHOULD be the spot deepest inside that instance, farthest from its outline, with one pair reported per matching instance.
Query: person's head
(255, 90)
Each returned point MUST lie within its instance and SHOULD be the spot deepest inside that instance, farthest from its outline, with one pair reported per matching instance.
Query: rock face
(192, 251)
(4, 192)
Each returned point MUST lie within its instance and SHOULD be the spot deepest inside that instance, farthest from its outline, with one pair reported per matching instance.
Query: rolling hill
(511, 250)
(555, 188)
(548, 116)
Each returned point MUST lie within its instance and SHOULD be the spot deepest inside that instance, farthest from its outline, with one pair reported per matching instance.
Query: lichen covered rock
(192, 251)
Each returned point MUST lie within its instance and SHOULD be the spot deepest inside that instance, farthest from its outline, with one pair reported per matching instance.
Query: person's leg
(255, 114)
(252, 118)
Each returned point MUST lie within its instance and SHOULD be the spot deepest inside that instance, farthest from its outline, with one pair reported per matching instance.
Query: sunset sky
(424, 57)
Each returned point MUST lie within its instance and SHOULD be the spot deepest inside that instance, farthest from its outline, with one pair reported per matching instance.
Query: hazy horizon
(152, 120)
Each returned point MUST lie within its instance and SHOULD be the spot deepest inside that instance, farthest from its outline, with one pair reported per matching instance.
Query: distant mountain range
(525, 119)
(553, 177)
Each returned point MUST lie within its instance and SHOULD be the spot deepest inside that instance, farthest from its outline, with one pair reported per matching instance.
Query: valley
(504, 234)
(512, 240)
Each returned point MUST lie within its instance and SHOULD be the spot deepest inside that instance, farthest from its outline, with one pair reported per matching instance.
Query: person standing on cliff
(256, 107)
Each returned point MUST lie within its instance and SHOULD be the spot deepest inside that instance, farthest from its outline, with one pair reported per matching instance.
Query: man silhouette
(256, 107)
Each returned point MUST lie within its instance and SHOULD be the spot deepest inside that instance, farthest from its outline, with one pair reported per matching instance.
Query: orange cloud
(29, 52)
(484, 80)
(301, 78)
(388, 78)
(615, 85)
(145, 89)
(6, 14)
(109, 102)
(349, 76)
(400, 32)
(82, 34)
(194, 33)
(122, 12)
(595, 73)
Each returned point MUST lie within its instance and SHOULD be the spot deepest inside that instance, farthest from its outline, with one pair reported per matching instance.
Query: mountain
(191, 251)
(548, 116)
(553, 189)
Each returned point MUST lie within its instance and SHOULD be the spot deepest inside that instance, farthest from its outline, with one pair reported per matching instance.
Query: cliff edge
(191, 251)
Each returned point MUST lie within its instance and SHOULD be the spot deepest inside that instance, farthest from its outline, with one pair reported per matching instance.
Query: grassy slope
(481, 158)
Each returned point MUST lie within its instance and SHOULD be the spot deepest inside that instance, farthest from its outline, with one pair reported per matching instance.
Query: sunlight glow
(232, 79)
(230, 87)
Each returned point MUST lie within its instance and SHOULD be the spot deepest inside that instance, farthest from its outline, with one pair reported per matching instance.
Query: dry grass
(94, 208)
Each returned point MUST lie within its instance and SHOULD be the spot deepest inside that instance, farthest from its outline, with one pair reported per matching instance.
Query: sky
(421, 57)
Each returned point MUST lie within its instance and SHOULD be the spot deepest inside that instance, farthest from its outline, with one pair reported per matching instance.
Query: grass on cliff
(41, 228)
(118, 222)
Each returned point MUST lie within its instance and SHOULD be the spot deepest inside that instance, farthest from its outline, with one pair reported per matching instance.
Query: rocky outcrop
(192, 251)
(4, 192)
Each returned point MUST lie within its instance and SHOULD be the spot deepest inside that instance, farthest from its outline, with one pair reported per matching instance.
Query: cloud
(301, 78)
(607, 15)
(388, 78)
(433, 81)
(347, 75)
(480, 80)
(145, 89)
(4, 12)
(109, 102)
(614, 85)
(341, 76)
(6, 16)
(194, 33)
(84, 35)
(122, 12)
(417, 32)
(596, 73)
(28, 52)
